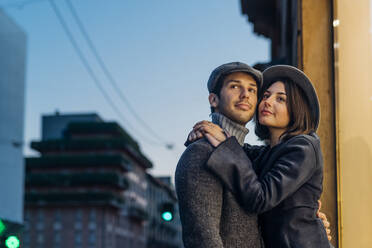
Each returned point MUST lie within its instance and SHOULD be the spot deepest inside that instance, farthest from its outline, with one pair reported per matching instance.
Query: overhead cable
(109, 75)
(91, 72)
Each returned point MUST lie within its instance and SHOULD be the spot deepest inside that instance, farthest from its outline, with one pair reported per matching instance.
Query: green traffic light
(12, 242)
(167, 216)
(2, 227)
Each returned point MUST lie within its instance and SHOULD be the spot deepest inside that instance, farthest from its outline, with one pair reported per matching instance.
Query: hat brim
(251, 72)
(229, 68)
(277, 72)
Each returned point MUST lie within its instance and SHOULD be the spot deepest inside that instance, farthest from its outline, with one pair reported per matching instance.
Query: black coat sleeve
(253, 151)
(295, 165)
(200, 198)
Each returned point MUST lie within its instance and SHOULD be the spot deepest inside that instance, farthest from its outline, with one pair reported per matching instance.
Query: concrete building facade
(89, 188)
(12, 109)
(159, 232)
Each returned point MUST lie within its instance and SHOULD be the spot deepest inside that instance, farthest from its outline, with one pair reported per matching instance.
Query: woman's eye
(281, 99)
(265, 96)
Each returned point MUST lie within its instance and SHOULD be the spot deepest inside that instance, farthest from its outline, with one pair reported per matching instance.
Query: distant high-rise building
(90, 188)
(12, 92)
(54, 125)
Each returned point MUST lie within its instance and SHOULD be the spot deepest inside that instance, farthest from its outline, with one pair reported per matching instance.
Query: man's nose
(244, 93)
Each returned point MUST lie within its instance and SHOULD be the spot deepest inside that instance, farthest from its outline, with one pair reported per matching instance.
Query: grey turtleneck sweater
(231, 127)
(210, 214)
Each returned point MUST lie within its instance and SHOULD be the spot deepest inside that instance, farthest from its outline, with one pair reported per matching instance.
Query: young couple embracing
(233, 194)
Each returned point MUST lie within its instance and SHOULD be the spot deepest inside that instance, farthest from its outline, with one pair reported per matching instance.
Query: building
(331, 41)
(160, 232)
(89, 188)
(12, 91)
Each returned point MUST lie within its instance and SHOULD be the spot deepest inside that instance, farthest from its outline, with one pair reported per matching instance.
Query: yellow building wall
(353, 88)
(315, 58)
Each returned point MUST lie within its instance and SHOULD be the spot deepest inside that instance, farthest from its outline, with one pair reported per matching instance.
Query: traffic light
(8, 232)
(12, 242)
(167, 211)
(2, 227)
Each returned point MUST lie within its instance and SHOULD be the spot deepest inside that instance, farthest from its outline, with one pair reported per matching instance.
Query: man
(210, 214)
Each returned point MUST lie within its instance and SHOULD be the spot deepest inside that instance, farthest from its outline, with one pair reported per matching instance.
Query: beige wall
(353, 71)
(316, 60)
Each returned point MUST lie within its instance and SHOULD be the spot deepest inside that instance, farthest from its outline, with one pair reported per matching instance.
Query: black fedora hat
(277, 72)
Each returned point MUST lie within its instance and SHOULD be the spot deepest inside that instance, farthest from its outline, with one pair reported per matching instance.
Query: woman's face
(273, 111)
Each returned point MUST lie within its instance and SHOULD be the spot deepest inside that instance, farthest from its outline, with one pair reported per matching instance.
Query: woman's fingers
(206, 124)
(212, 128)
(201, 122)
(214, 142)
(215, 132)
(195, 135)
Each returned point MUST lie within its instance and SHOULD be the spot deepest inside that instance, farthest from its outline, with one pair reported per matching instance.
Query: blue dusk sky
(159, 52)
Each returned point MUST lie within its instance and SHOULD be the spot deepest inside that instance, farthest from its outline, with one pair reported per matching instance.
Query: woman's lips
(266, 112)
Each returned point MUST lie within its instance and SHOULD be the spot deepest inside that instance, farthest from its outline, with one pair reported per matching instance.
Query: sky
(160, 53)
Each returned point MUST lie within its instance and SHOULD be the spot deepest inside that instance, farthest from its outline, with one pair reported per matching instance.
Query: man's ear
(213, 100)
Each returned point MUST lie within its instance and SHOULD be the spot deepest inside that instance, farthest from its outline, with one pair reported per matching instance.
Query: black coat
(285, 193)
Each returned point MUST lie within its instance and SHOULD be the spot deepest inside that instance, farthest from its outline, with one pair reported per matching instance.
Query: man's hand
(323, 217)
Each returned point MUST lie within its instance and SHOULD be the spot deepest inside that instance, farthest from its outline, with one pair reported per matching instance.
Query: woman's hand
(214, 133)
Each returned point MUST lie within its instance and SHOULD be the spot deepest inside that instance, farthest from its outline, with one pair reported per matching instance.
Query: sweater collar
(231, 127)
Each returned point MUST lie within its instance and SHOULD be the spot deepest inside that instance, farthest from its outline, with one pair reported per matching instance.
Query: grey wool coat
(211, 216)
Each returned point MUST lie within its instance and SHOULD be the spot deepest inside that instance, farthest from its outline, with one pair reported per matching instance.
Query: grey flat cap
(223, 70)
(277, 72)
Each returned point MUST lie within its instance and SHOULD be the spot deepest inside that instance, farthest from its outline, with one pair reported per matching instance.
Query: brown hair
(300, 119)
(217, 89)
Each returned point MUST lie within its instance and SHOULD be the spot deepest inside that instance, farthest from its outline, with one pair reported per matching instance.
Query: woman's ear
(213, 100)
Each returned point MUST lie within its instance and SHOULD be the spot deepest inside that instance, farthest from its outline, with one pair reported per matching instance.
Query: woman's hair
(300, 119)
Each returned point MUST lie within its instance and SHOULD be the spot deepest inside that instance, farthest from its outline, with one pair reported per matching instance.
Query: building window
(92, 225)
(78, 239)
(78, 219)
(79, 215)
(40, 220)
(26, 238)
(40, 239)
(57, 226)
(92, 214)
(39, 226)
(57, 237)
(92, 238)
(78, 225)
(57, 215)
(27, 224)
(40, 215)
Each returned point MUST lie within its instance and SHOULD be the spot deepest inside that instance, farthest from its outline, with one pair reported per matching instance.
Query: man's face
(238, 97)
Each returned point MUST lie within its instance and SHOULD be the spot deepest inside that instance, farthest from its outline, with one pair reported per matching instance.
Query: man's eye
(233, 86)
(252, 90)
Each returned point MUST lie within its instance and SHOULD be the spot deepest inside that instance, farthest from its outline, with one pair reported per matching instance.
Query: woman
(287, 183)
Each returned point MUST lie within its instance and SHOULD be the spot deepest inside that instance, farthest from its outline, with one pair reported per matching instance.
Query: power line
(90, 70)
(109, 75)
(19, 4)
